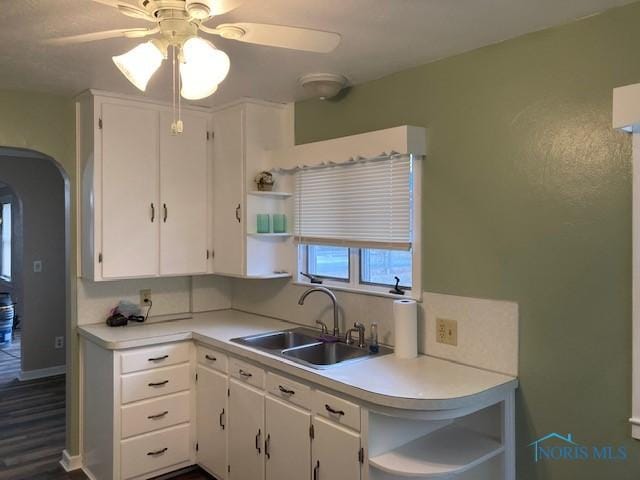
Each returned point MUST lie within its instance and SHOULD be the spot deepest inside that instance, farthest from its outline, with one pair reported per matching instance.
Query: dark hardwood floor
(32, 425)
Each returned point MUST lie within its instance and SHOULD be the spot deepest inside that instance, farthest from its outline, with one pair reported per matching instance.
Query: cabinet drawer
(336, 409)
(246, 372)
(289, 390)
(212, 359)
(154, 451)
(156, 382)
(154, 357)
(155, 414)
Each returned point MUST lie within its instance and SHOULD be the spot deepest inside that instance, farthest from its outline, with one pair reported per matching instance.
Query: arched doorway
(39, 193)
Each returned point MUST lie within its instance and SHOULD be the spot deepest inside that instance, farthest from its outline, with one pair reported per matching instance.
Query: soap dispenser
(373, 346)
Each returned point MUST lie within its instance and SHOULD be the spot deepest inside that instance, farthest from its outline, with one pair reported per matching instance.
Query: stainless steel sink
(279, 341)
(304, 346)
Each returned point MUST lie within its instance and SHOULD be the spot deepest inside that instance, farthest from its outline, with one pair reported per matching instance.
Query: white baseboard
(69, 462)
(42, 372)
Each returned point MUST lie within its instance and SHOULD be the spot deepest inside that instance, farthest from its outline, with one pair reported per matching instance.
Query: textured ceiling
(378, 37)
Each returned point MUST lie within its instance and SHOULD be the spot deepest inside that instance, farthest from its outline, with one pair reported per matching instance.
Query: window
(355, 223)
(5, 240)
(328, 262)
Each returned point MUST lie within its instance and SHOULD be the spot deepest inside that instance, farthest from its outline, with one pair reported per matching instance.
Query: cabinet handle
(158, 359)
(159, 415)
(158, 384)
(157, 452)
(153, 212)
(166, 212)
(220, 419)
(316, 471)
(209, 357)
(286, 391)
(331, 410)
(258, 435)
(245, 374)
(266, 446)
(238, 213)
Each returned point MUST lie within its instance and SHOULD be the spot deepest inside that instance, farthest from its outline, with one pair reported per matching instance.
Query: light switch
(37, 266)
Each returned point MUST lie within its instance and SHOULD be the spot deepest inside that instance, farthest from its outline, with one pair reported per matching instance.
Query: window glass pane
(325, 261)
(380, 266)
(5, 259)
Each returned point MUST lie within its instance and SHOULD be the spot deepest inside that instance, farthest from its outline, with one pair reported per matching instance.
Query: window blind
(366, 204)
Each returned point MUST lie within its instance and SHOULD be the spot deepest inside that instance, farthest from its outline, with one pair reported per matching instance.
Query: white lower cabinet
(288, 442)
(335, 453)
(211, 415)
(246, 432)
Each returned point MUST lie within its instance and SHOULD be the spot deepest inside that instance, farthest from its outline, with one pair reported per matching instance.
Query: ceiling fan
(176, 24)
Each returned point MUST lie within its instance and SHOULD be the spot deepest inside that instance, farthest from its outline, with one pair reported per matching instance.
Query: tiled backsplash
(487, 329)
(170, 296)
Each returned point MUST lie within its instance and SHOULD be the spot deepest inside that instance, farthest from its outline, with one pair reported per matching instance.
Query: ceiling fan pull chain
(179, 124)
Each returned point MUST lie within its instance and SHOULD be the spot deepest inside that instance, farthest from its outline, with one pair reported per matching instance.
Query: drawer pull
(266, 446)
(157, 452)
(258, 435)
(159, 415)
(158, 359)
(331, 410)
(316, 470)
(286, 391)
(158, 384)
(209, 357)
(221, 416)
(245, 374)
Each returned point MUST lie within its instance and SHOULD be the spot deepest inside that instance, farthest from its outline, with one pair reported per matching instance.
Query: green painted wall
(527, 197)
(46, 123)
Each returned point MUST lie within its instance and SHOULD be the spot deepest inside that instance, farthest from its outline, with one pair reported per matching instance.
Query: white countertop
(423, 383)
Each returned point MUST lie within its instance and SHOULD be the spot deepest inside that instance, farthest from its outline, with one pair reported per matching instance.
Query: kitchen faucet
(336, 326)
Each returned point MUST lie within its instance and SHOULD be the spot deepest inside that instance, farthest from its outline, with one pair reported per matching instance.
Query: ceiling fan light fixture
(323, 85)
(203, 67)
(140, 63)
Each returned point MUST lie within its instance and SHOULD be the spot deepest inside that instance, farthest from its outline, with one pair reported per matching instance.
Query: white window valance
(363, 203)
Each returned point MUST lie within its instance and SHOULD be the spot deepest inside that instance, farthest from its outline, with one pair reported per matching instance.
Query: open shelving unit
(261, 193)
(448, 451)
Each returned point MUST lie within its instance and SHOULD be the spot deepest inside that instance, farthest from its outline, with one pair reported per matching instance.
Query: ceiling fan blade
(223, 6)
(128, 9)
(94, 36)
(281, 36)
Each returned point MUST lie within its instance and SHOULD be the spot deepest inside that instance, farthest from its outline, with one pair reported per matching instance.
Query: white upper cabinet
(129, 206)
(183, 192)
(244, 133)
(145, 192)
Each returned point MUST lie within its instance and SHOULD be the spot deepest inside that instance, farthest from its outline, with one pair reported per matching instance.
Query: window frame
(6, 201)
(354, 285)
(326, 277)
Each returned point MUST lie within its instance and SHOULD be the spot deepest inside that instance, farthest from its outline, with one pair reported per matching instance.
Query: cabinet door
(211, 419)
(183, 194)
(129, 200)
(334, 452)
(287, 444)
(246, 432)
(228, 191)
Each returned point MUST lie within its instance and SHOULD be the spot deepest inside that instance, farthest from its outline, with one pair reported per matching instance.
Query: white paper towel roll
(405, 320)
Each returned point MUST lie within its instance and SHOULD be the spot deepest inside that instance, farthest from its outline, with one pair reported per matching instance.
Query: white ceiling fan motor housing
(199, 9)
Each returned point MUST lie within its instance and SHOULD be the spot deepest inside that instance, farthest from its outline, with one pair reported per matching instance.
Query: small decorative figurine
(264, 181)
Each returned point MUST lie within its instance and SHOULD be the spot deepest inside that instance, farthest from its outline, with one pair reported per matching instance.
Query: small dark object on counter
(117, 320)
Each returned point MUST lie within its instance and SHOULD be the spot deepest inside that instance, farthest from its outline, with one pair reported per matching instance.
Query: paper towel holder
(396, 290)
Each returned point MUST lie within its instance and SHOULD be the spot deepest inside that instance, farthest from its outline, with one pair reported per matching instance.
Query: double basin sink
(307, 347)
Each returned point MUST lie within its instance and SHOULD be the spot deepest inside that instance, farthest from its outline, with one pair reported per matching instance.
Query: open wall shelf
(258, 235)
(448, 451)
(258, 193)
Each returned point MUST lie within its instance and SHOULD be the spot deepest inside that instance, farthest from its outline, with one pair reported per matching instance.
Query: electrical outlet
(59, 342)
(145, 298)
(447, 331)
